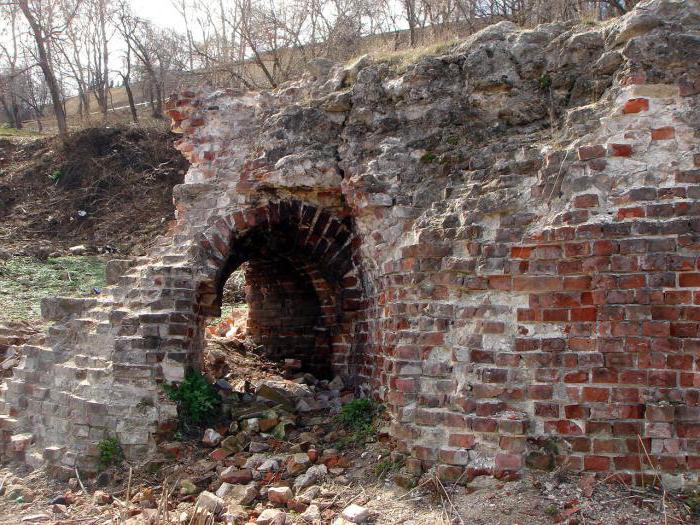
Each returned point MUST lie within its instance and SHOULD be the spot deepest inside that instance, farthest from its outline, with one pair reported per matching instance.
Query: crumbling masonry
(502, 243)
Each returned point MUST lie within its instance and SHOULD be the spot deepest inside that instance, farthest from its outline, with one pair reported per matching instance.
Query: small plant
(427, 158)
(545, 81)
(357, 416)
(552, 510)
(693, 502)
(386, 466)
(56, 176)
(197, 400)
(110, 453)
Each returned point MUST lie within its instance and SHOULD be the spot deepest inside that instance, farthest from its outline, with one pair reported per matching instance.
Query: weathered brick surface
(514, 304)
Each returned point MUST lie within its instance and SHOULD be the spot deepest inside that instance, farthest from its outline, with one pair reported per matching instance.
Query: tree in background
(253, 44)
(45, 25)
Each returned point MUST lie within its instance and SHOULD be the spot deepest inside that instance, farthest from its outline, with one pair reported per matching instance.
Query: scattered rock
(78, 250)
(271, 517)
(355, 513)
(235, 475)
(310, 477)
(298, 463)
(102, 498)
(211, 437)
(242, 494)
(210, 502)
(279, 495)
(312, 514)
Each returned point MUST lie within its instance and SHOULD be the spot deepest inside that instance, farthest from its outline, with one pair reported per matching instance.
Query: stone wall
(502, 244)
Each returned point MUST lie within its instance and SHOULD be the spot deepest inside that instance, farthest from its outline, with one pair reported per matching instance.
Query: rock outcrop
(500, 242)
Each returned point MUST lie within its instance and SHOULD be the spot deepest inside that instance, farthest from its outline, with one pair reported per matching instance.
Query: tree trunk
(46, 69)
(130, 96)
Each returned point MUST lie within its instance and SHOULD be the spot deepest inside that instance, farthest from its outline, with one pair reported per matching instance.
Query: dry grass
(401, 59)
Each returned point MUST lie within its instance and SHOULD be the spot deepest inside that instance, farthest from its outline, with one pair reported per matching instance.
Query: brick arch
(317, 244)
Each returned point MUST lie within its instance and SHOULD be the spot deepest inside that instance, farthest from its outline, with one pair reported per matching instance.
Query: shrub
(357, 416)
(110, 453)
(197, 400)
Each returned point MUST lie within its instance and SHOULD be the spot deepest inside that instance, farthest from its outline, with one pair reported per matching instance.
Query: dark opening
(292, 302)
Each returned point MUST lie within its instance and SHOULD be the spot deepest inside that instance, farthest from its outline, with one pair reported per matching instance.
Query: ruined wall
(503, 241)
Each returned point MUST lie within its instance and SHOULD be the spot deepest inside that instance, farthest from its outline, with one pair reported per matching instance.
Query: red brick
(555, 315)
(590, 152)
(589, 200)
(595, 394)
(597, 463)
(688, 280)
(539, 392)
(621, 150)
(462, 440)
(662, 378)
(630, 213)
(627, 462)
(577, 412)
(500, 282)
(577, 283)
(580, 376)
(656, 328)
(583, 314)
(604, 375)
(636, 105)
(665, 133)
(521, 252)
(548, 410)
(509, 461)
(563, 427)
(538, 283)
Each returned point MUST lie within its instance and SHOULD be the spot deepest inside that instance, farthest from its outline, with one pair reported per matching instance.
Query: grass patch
(24, 281)
(402, 59)
(386, 466)
(357, 417)
(12, 132)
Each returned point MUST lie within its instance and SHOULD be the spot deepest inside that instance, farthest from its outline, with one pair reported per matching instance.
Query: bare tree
(45, 26)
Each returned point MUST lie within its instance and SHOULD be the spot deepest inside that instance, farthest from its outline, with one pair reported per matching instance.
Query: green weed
(357, 417)
(427, 158)
(198, 402)
(385, 466)
(6, 131)
(56, 176)
(545, 81)
(693, 502)
(110, 453)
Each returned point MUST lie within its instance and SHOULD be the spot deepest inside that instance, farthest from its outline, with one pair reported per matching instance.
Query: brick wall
(512, 269)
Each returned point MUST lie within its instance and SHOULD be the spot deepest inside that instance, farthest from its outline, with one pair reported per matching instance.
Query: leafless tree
(46, 24)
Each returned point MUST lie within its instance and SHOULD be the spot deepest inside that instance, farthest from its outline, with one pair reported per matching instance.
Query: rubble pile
(280, 445)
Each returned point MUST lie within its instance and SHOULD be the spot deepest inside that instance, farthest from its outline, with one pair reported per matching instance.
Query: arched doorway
(302, 283)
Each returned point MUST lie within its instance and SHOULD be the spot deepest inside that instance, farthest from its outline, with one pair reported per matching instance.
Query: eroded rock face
(503, 241)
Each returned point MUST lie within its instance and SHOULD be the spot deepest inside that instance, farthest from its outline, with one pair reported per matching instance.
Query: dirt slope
(107, 188)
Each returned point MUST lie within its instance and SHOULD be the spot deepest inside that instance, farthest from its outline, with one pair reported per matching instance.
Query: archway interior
(294, 300)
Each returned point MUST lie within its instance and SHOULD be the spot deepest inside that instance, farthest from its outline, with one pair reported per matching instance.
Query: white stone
(271, 517)
(211, 437)
(356, 513)
(210, 502)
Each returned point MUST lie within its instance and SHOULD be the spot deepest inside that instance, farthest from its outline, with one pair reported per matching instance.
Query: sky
(160, 12)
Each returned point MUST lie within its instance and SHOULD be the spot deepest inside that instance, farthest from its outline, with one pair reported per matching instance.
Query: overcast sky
(161, 12)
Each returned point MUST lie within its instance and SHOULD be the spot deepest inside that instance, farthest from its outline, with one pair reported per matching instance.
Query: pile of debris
(271, 458)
